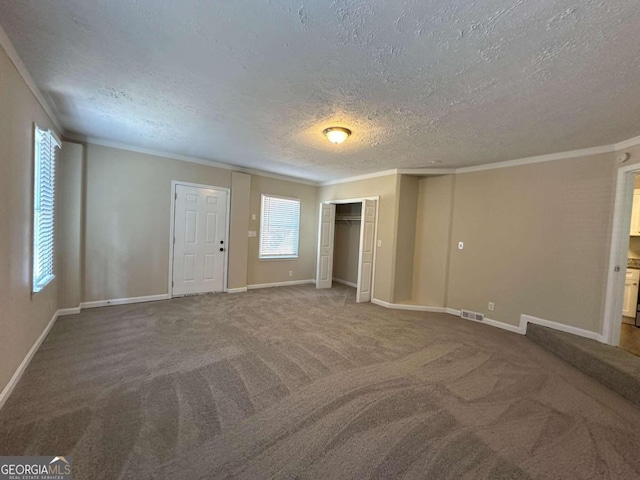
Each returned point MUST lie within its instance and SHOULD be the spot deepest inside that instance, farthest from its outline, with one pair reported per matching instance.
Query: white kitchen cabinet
(630, 293)
(635, 215)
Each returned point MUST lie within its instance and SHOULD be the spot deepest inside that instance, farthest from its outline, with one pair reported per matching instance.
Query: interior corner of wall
(447, 281)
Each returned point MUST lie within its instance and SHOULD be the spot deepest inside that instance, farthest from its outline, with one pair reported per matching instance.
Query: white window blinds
(279, 227)
(46, 143)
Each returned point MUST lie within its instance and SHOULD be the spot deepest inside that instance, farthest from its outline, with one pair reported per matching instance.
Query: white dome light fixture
(337, 134)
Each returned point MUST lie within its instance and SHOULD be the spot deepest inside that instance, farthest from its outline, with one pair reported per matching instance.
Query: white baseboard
(25, 362)
(344, 282)
(521, 329)
(450, 311)
(69, 311)
(505, 326)
(489, 321)
(237, 290)
(124, 301)
(404, 306)
(526, 319)
(279, 284)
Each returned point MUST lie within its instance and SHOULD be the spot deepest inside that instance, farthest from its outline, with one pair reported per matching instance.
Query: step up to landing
(611, 366)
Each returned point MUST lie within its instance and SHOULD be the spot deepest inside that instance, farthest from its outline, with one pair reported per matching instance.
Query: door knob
(221, 242)
(221, 249)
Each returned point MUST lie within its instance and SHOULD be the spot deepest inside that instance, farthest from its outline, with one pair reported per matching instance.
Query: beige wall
(536, 241)
(128, 197)
(23, 316)
(346, 251)
(386, 188)
(407, 202)
(272, 271)
(433, 239)
(238, 228)
(128, 203)
(70, 224)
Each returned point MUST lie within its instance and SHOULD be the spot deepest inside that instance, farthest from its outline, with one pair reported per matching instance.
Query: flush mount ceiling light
(337, 134)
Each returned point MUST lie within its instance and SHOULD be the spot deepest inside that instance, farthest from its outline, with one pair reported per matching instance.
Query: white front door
(367, 245)
(324, 270)
(200, 240)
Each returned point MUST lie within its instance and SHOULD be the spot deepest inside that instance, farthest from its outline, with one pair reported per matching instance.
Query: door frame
(612, 321)
(375, 239)
(225, 273)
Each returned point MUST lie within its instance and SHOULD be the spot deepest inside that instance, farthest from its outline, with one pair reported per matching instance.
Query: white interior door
(200, 240)
(324, 270)
(367, 244)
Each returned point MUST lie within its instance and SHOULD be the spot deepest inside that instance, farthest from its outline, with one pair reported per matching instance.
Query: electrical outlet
(492, 306)
(252, 233)
(379, 243)
(460, 245)
(291, 273)
(253, 216)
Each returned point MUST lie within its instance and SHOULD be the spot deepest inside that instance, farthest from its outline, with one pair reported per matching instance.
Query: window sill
(283, 257)
(43, 283)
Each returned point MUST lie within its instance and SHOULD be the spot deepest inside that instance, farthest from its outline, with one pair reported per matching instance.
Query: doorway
(199, 240)
(621, 302)
(630, 327)
(346, 243)
(347, 237)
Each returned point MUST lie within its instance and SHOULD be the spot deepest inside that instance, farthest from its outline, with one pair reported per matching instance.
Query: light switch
(253, 216)
(379, 243)
(252, 233)
(460, 245)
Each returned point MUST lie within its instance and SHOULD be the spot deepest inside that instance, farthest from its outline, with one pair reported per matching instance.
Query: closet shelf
(348, 218)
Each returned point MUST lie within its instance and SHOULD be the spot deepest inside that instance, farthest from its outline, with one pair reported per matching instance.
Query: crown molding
(12, 53)
(402, 171)
(183, 158)
(426, 171)
(539, 159)
(632, 142)
(584, 152)
(360, 177)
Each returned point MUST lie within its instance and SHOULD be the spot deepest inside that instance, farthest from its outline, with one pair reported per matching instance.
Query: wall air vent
(469, 315)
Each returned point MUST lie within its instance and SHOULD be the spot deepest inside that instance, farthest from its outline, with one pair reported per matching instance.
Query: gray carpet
(611, 366)
(299, 383)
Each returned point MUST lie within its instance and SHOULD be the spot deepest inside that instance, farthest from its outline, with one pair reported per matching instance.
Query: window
(279, 227)
(45, 146)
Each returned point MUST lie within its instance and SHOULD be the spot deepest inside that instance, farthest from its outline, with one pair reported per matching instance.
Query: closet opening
(346, 244)
(347, 237)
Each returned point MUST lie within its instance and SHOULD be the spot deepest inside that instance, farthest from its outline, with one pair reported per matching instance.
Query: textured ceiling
(254, 82)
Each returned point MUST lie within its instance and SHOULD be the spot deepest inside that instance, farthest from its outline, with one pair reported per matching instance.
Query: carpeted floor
(299, 383)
